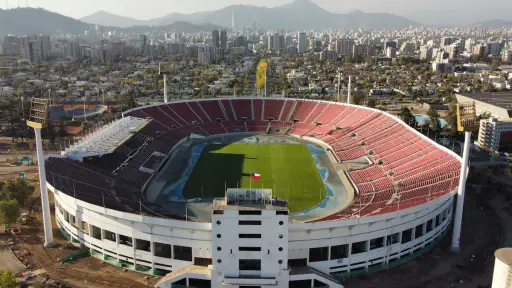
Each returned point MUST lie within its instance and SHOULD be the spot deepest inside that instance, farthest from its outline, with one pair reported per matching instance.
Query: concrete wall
(301, 237)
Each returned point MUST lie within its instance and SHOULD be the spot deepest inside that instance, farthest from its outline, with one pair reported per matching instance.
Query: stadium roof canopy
(498, 104)
(107, 139)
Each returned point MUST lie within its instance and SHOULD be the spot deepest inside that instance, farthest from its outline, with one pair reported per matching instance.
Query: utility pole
(349, 88)
(265, 96)
(339, 83)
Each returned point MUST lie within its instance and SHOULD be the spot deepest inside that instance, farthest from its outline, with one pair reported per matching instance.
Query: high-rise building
(175, 49)
(390, 52)
(506, 56)
(468, 45)
(270, 42)
(282, 43)
(453, 51)
(45, 40)
(288, 41)
(478, 50)
(302, 42)
(73, 50)
(25, 49)
(277, 43)
(240, 41)
(344, 47)
(447, 41)
(143, 43)
(361, 50)
(426, 53)
(223, 40)
(389, 44)
(12, 45)
(316, 45)
(35, 50)
(216, 38)
(492, 49)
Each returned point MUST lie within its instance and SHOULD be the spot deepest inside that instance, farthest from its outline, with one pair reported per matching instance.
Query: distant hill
(494, 24)
(298, 15)
(179, 26)
(104, 18)
(23, 21)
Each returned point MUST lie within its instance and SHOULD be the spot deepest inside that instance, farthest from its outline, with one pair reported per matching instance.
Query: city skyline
(133, 9)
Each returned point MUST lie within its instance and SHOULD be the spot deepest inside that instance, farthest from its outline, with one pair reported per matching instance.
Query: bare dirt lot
(87, 272)
(472, 267)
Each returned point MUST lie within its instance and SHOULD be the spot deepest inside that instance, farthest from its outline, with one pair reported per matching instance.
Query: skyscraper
(143, 43)
(12, 45)
(301, 43)
(233, 21)
(45, 40)
(223, 39)
(35, 50)
(215, 38)
(344, 46)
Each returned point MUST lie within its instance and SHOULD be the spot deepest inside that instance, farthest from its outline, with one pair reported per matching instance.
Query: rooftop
(501, 100)
(107, 139)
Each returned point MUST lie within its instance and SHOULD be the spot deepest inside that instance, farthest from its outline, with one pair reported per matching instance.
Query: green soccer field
(288, 169)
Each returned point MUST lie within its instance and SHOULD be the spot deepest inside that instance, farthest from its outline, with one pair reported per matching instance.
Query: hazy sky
(145, 9)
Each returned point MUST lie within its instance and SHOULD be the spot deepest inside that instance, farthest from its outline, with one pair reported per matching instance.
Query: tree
(372, 102)
(7, 279)
(451, 118)
(18, 190)
(9, 211)
(407, 116)
(434, 118)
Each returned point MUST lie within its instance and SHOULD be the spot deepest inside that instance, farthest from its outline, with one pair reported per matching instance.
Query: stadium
(247, 192)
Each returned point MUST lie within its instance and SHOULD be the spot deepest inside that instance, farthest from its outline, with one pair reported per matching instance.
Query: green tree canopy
(372, 102)
(19, 190)
(434, 118)
(407, 116)
(9, 211)
(7, 279)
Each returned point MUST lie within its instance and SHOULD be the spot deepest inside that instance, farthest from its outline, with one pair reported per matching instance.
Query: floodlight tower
(38, 119)
(165, 82)
(467, 122)
(349, 89)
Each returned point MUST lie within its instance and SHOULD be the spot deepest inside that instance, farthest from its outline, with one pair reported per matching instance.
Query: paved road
(9, 262)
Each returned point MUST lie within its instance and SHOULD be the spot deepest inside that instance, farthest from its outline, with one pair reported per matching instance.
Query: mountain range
(298, 15)
(23, 21)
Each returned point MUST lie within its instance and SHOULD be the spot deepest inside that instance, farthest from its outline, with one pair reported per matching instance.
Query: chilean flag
(255, 176)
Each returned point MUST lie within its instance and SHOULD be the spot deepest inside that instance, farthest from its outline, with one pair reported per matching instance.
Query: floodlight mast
(165, 82)
(38, 120)
(467, 122)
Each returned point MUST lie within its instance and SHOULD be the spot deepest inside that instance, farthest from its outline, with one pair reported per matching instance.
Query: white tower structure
(165, 88)
(250, 240)
(349, 89)
(165, 82)
(501, 276)
(466, 122)
(37, 120)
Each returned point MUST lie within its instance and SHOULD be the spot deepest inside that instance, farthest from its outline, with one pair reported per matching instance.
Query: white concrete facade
(331, 247)
(259, 236)
(489, 135)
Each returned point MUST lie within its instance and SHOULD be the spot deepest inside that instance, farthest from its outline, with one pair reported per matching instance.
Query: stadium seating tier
(404, 169)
